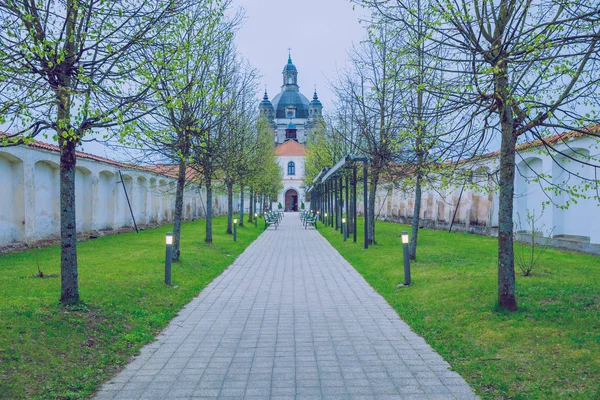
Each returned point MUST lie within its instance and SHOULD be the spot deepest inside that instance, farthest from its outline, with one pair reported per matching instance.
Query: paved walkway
(290, 319)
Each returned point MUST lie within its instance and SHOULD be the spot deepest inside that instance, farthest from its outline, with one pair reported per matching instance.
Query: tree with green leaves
(265, 180)
(523, 70)
(69, 68)
(185, 90)
(369, 88)
(238, 114)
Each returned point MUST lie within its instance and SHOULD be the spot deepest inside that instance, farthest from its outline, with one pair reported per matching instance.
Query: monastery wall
(571, 223)
(30, 195)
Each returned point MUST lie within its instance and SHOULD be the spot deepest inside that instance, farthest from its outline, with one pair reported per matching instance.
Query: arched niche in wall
(106, 200)
(12, 215)
(568, 174)
(194, 213)
(141, 199)
(83, 199)
(530, 196)
(460, 207)
(47, 198)
(428, 211)
(171, 201)
(187, 205)
(441, 211)
(163, 191)
(154, 201)
(480, 203)
(123, 212)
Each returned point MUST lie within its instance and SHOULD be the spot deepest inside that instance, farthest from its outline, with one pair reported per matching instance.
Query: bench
(308, 218)
(271, 218)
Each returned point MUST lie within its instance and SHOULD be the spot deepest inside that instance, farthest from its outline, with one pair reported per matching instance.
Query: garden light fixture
(168, 258)
(405, 241)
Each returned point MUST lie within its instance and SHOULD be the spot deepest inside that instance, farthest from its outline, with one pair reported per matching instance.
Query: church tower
(290, 76)
(315, 110)
(266, 108)
(292, 117)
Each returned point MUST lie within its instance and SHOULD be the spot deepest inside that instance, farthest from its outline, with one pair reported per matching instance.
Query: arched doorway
(291, 200)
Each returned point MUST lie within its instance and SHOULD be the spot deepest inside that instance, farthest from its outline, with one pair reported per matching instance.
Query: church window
(291, 168)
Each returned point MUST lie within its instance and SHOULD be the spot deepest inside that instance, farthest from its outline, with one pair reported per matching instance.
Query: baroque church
(291, 117)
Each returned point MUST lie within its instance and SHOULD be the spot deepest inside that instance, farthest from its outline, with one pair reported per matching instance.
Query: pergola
(333, 191)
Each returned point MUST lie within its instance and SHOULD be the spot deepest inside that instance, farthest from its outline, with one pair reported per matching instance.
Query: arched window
(291, 168)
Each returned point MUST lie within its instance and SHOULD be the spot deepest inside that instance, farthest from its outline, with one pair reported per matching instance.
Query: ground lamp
(344, 228)
(168, 257)
(235, 230)
(406, 258)
(255, 219)
(325, 218)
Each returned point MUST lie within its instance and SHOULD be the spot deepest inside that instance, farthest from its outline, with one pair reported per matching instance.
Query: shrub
(528, 252)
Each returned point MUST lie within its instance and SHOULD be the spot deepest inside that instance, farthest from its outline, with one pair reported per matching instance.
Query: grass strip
(49, 351)
(548, 349)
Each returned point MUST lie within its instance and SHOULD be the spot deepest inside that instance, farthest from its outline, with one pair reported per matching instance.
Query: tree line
(164, 77)
(436, 83)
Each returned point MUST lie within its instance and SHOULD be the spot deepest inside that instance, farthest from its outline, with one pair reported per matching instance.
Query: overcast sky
(319, 32)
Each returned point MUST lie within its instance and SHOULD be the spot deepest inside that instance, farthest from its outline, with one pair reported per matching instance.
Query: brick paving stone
(289, 319)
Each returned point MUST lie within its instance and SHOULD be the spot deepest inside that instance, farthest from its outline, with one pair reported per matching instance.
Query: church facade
(291, 117)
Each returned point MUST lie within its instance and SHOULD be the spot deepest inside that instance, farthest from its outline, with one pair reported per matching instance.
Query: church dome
(290, 98)
(291, 125)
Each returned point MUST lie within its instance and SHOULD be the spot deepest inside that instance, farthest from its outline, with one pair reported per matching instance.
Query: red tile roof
(289, 149)
(160, 169)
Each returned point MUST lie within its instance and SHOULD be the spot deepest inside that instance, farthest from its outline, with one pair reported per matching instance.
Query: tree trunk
(416, 216)
(506, 260)
(68, 224)
(251, 207)
(68, 233)
(371, 208)
(241, 205)
(178, 210)
(229, 207)
(209, 211)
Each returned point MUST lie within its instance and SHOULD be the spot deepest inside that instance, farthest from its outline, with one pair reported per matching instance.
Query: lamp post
(255, 220)
(168, 257)
(326, 220)
(406, 258)
(344, 228)
(235, 230)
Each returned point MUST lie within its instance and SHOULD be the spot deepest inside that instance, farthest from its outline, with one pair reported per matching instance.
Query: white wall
(30, 196)
(576, 227)
(11, 182)
(291, 181)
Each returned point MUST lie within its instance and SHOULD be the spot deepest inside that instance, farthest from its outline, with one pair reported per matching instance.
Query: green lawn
(549, 349)
(52, 352)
